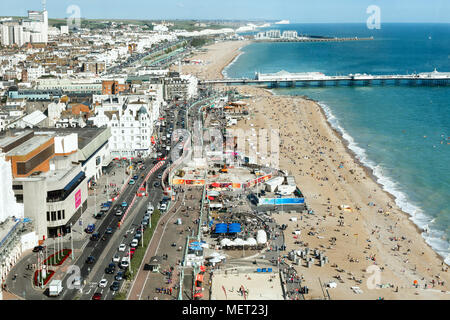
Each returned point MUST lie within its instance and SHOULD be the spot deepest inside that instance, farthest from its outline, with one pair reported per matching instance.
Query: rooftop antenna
(44, 5)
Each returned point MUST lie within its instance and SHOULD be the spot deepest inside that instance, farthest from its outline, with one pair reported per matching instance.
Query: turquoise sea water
(401, 132)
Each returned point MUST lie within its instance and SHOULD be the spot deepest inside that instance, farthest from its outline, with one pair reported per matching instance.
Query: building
(132, 119)
(180, 87)
(69, 85)
(113, 87)
(52, 170)
(15, 235)
(96, 67)
(289, 34)
(34, 29)
(12, 33)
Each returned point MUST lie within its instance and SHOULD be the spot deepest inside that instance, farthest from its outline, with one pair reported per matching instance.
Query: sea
(401, 132)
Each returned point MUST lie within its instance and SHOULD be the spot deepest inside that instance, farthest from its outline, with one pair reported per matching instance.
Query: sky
(300, 11)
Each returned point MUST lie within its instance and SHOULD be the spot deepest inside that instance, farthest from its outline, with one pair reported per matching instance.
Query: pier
(286, 79)
(308, 39)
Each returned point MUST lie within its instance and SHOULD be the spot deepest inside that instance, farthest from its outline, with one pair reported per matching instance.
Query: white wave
(434, 237)
(225, 70)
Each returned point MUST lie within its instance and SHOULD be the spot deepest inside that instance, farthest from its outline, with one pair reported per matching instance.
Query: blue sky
(307, 11)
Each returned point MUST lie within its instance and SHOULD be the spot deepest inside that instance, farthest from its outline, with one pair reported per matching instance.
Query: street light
(71, 238)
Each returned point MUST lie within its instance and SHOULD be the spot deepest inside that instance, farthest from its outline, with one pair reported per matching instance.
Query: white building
(132, 120)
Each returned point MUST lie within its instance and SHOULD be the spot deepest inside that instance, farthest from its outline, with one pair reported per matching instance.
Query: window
(48, 215)
(53, 215)
(64, 214)
(18, 187)
(59, 214)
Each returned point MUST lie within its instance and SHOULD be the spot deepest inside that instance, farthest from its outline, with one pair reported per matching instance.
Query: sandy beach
(374, 232)
(215, 58)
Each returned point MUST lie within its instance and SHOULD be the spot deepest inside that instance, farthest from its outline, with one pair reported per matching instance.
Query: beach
(215, 58)
(371, 231)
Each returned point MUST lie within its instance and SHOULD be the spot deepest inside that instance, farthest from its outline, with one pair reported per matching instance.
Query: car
(122, 247)
(97, 296)
(119, 276)
(150, 210)
(163, 207)
(134, 243)
(98, 215)
(90, 260)
(174, 244)
(160, 176)
(115, 286)
(116, 258)
(118, 213)
(144, 223)
(138, 234)
(135, 178)
(38, 248)
(131, 182)
(95, 236)
(156, 184)
(125, 263)
(109, 230)
(180, 146)
(103, 283)
(124, 204)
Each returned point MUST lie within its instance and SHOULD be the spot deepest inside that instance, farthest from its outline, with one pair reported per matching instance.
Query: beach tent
(225, 242)
(214, 254)
(240, 242)
(221, 228)
(294, 219)
(261, 237)
(234, 228)
(251, 241)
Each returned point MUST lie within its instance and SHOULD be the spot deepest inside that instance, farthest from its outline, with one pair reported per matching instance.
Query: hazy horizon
(297, 11)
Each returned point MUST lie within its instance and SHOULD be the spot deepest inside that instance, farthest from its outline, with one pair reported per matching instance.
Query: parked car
(131, 182)
(116, 258)
(122, 247)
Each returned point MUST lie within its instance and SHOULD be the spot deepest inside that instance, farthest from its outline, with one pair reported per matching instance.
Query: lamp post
(71, 238)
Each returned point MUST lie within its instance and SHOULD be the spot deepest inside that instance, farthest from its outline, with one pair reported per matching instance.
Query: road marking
(165, 225)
